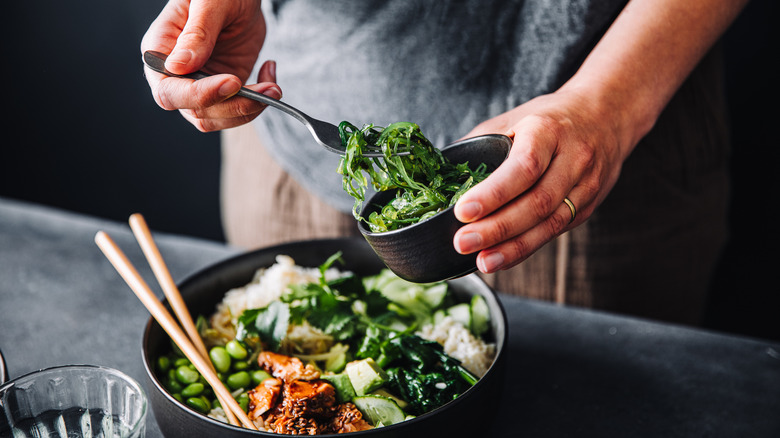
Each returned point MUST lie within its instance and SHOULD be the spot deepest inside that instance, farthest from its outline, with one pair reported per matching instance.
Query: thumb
(197, 39)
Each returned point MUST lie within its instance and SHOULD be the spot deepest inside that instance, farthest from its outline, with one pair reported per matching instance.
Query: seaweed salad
(426, 182)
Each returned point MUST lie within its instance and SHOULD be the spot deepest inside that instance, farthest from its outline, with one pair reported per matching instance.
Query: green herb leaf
(272, 324)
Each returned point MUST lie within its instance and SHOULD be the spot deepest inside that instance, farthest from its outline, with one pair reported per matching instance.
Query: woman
(619, 143)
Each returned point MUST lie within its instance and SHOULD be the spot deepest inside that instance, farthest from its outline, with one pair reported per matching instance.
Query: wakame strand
(426, 182)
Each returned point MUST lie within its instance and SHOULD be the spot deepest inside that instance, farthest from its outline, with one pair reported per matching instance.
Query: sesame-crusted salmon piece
(263, 397)
(287, 368)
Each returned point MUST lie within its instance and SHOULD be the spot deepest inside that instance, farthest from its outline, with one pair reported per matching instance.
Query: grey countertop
(571, 372)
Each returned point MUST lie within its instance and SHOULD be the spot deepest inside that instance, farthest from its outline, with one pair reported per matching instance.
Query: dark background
(85, 135)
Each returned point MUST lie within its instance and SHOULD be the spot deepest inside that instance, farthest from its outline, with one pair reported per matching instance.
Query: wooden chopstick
(144, 237)
(133, 279)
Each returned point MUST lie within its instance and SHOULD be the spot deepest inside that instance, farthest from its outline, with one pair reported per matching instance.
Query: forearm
(645, 56)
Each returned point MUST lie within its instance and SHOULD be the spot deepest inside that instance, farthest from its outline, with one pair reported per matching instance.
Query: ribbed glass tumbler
(73, 401)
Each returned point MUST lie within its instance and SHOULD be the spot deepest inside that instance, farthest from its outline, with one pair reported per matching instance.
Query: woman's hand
(564, 147)
(570, 145)
(217, 36)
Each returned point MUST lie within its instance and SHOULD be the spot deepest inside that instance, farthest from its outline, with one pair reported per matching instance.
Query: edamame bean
(240, 365)
(174, 386)
(163, 363)
(258, 376)
(181, 362)
(220, 358)
(238, 380)
(198, 404)
(236, 350)
(186, 375)
(192, 390)
(243, 401)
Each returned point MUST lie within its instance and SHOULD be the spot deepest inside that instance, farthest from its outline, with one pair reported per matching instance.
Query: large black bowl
(424, 252)
(205, 289)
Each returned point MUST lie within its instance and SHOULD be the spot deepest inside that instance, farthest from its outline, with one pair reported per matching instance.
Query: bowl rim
(363, 227)
(148, 363)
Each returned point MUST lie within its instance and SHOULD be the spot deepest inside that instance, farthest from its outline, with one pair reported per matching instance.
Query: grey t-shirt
(445, 65)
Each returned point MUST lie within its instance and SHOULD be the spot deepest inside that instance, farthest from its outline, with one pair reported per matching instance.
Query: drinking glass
(73, 401)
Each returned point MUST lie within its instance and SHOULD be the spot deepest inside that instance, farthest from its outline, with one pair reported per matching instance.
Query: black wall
(85, 135)
(746, 293)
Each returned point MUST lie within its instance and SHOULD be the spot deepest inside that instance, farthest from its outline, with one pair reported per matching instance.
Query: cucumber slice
(377, 409)
(480, 315)
(438, 316)
(434, 295)
(418, 299)
(461, 313)
(385, 393)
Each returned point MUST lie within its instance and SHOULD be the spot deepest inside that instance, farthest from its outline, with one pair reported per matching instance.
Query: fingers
(515, 250)
(177, 93)
(520, 207)
(267, 72)
(188, 30)
(531, 153)
(541, 211)
(165, 29)
(233, 112)
(197, 39)
(209, 103)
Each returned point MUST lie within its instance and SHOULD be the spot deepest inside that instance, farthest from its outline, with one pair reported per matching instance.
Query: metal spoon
(324, 133)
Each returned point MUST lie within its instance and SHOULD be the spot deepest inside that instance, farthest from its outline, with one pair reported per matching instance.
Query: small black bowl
(424, 252)
(203, 290)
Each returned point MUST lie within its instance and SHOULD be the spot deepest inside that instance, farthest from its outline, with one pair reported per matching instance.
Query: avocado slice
(365, 375)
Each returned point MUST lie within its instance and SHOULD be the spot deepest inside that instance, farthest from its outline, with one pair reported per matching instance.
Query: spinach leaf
(426, 376)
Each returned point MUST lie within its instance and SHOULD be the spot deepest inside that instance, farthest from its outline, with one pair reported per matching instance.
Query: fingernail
(469, 211)
(229, 88)
(274, 92)
(468, 243)
(491, 262)
(181, 56)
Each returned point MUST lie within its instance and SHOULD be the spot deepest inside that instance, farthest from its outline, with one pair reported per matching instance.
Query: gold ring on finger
(573, 209)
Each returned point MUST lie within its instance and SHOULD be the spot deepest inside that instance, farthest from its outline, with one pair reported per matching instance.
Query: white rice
(271, 283)
(458, 342)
